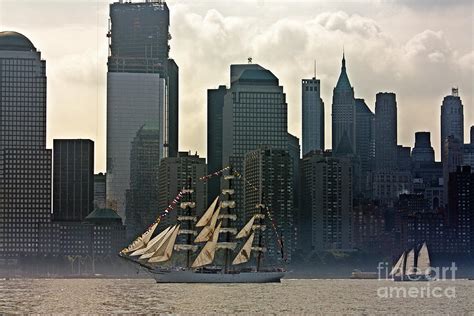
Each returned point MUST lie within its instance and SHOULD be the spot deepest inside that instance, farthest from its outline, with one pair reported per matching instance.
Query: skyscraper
(254, 114)
(269, 171)
(461, 206)
(215, 106)
(99, 190)
(343, 115)
(327, 202)
(312, 115)
(452, 158)
(142, 87)
(385, 131)
(142, 197)
(452, 119)
(365, 142)
(423, 152)
(25, 163)
(73, 179)
(468, 151)
(177, 173)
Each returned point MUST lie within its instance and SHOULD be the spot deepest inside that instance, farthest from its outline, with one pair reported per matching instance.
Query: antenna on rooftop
(314, 69)
(249, 60)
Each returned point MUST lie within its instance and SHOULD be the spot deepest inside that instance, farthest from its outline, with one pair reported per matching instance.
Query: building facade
(270, 181)
(177, 173)
(343, 115)
(423, 152)
(142, 197)
(73, 179)
(385, 131)
(327, 202)
(365, 142)
(215, 106)
(100, 188)
(255, 114)
(312, 115)
(25, 163)
(142, 87)
(452, 119)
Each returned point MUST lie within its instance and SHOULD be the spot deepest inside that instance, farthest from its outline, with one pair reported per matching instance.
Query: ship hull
(413, 278)
(198, 277)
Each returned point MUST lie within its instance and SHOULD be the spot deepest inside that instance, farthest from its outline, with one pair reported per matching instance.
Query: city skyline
(221, 34)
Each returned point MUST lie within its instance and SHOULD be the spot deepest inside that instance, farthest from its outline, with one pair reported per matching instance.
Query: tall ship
(206, 249)
(413, 265)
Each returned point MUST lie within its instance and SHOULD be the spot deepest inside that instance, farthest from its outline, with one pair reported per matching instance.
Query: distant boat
(413, 266)
(357, 274)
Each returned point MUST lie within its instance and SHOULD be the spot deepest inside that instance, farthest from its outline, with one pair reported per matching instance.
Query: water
(290, 297)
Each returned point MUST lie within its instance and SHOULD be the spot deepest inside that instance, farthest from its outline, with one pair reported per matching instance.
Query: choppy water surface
(290, 297)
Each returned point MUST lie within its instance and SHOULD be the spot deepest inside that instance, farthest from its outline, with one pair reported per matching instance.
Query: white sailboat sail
(206, 217)
(423, 264)
(244, 253)
(410, 263)
(247, 229)
(207, 232)
(164, 251)
(152, 244)
(159, 249)
(398, 267)
(206, 256)
(141, 241)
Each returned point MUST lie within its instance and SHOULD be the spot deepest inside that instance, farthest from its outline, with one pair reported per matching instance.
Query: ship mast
(227, 221)
(261, 208)
(187, 220)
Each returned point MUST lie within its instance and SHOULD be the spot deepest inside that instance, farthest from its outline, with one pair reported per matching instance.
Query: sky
(417, 49)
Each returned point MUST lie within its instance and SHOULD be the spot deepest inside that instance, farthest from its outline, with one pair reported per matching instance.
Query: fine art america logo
(415, 289)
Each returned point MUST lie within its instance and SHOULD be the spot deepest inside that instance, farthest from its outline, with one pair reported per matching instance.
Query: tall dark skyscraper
(174, 175)
(270, 171)
(142, 197)
(73, 179)
(25, 163)
(365, 142)
(343, 115)
(312, 115)
(215, 106)
(142, 87)
(254, 114)
(452, 119)
(327, 199)
(423, 152)
(385, 131)
(461, 206)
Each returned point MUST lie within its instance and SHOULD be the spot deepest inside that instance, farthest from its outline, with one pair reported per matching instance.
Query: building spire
(343, 59)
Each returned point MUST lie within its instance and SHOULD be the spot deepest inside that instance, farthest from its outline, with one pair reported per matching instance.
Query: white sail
(206, 256)
(152, 244)
(244, 253)
(206, 217)
(168, 247)
(159, 249)
(410, 263)
(206, 233)
(141, 241)
(247, 229)
(423, 264)
(398, 267)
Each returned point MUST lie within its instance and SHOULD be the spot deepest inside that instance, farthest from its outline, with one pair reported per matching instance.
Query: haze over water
(79, 296)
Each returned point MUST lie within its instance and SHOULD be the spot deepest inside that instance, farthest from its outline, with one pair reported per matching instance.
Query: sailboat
(211, 244)
(413, 266)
